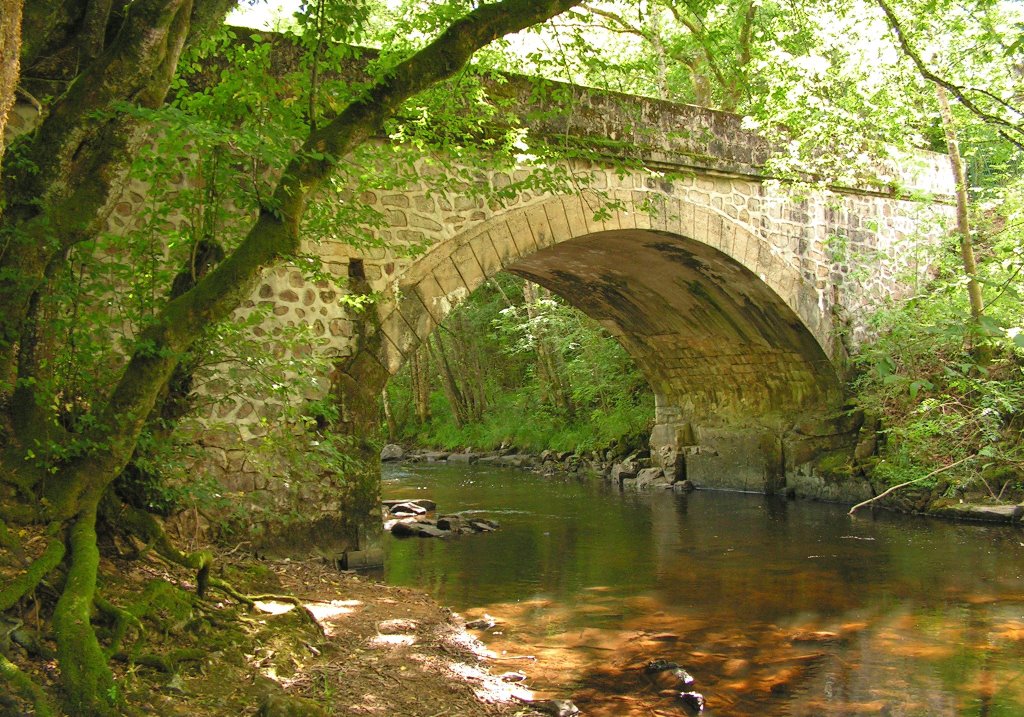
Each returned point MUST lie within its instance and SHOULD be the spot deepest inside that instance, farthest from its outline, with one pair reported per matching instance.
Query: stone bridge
(737, 295)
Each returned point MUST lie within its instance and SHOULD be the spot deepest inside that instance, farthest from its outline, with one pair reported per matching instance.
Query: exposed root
(26, 687)
(7, 541)
(123, 619)
(251, 600)
(27, 581)
(149, 529)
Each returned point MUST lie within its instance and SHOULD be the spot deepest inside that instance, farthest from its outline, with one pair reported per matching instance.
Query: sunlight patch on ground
(487, 687)
(272, 607)
(391, 640)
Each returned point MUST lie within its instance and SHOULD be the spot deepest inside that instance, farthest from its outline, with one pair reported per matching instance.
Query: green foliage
(608, 399)
(948, 390)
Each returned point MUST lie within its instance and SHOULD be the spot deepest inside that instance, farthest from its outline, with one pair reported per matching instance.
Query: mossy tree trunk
(75, 154)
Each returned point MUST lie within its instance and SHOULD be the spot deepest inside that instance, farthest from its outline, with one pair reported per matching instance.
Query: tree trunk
(448, 382)
(963, 222)
(548, 360)
(389, 417)
(420, 370)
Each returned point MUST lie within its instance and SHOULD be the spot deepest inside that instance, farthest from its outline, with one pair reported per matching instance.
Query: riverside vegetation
(103, 337)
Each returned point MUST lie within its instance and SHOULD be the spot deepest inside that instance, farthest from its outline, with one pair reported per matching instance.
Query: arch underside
(716, 343)
(732, 367)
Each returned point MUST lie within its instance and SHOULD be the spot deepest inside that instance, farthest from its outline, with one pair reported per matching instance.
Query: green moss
(88, 683)
(27, 581)
(837, 464)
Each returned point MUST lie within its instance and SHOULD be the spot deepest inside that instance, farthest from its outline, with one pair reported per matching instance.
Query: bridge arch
(727, 333)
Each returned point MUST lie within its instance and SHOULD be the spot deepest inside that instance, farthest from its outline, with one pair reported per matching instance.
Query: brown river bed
(775, 607)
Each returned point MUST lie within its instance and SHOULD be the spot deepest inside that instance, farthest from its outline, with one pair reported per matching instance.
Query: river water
(775, 607)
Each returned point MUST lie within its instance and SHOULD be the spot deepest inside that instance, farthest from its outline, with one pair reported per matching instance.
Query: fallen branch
(909, 482)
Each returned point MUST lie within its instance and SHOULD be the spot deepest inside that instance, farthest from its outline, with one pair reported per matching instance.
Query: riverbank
(353, 646)
(847, 484)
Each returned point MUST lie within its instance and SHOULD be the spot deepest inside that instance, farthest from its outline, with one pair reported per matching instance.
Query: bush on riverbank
(949, 392)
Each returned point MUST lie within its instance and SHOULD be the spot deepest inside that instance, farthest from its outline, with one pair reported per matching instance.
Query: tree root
(26, 687)
(8, 541)
(250, 601)
(123, 619)
(147, 528)
(27, 581)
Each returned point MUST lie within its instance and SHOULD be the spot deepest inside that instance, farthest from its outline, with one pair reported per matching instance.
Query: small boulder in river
(463, 458)
(450, 522)
(484, 623)
(392, 452)
(692, 701)
(405, 509)
(417, 528)
(425, 503)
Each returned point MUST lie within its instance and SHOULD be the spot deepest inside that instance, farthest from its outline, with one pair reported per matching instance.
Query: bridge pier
(809, 454)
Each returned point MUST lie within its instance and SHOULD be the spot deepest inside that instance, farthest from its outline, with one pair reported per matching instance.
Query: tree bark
(389, 417)
(421, 383)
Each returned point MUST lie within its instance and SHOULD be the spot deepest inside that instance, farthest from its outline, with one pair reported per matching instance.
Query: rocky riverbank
(633, 471)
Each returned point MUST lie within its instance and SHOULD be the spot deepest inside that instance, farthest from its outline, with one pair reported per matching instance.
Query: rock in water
(512, 677)
(392, 452)
(484, 623)
(693, 701)
(659, 666)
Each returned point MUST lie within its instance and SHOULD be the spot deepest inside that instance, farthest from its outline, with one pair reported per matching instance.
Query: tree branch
(1013, 133)
(909, 482)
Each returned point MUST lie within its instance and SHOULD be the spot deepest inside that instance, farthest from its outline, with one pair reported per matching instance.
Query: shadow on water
(775, 607)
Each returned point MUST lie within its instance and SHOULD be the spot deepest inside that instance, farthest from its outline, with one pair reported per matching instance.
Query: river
(775, 607)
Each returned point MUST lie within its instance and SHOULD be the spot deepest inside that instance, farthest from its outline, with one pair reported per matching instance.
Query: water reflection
(777, 608)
